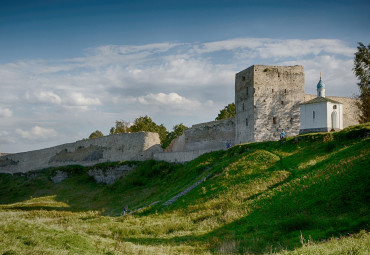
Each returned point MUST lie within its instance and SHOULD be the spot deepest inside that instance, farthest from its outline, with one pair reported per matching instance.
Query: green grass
(309, 195)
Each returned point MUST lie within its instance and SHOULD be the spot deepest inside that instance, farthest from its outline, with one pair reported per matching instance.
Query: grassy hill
(308, 195)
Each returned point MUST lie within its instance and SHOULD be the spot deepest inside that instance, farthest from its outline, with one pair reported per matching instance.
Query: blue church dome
(321, 84)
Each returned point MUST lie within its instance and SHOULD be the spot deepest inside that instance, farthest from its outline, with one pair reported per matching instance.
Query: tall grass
(291, 198)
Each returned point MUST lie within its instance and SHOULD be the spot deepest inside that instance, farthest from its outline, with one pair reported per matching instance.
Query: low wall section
(120, 147)
(208, 136)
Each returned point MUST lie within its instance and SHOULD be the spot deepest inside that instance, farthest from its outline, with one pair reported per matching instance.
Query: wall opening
(291, 120)
(282, 102)
(285, 91)
(246, 122)
(243, 78)
(313, 114)
(334, 107)
(334, 120)
(274, 120)
(272, 90)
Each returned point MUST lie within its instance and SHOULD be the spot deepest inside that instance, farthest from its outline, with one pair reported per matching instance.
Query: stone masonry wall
(120, 147)
(267, 101)
(205, 136)
(278, 92)
(350, 110)
(244, 106)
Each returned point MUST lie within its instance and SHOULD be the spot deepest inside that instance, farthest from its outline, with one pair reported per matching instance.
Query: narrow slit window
(247, 91)
(285, 91)
(313, 114)
(272, 90)
(282, 102)
(291, 120)
(246, 122)
(274, 120)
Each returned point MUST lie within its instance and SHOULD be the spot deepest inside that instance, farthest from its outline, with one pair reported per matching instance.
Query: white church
(321, 114)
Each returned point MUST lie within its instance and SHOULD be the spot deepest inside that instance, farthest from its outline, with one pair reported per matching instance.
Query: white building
(321, 114)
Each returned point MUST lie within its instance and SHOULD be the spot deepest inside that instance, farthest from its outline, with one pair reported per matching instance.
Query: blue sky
(68, 68)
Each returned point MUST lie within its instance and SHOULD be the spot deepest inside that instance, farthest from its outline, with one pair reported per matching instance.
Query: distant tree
(146, 124)
(121, 127)
(178, 130)
(362, 71)
(96, 134)
(227, 112)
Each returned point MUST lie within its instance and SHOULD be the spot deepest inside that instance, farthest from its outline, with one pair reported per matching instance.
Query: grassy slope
(261, 198)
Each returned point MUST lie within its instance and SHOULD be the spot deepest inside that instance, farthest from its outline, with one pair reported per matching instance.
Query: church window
(246, 122)
(313, 114)
(274, 120)
(334, 107)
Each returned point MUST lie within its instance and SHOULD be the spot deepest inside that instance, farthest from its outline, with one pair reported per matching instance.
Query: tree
(178, 130)
(227, 112)
(146, 124)
(96, 134)
(121, 127)
(362, 71)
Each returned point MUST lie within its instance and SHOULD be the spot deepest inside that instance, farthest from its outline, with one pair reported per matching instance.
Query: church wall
(350, 110)
(308, 121)
(120, 147)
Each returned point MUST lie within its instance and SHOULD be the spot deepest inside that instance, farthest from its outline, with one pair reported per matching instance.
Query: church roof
(321, 100)
(321, 84)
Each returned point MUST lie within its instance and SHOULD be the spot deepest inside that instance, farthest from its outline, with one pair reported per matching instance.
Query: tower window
(243, 78)
(291, 120)
(272, 90)
(282, 102)
(243, 106)
(334, 107)
(274, 120)
(246, 122)
(247, 91)
(313, 114)
(285, 91)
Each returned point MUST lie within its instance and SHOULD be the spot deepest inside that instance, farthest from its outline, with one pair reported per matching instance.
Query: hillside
(308, 195)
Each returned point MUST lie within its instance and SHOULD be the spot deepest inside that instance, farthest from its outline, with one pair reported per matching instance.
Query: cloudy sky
(68, 68)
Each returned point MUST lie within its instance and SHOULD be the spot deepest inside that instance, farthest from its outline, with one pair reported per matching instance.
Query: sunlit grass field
(309, 195)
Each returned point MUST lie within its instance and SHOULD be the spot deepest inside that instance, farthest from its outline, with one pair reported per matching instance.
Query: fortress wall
(350, 110)
(179, 156)
(278, 91)
(205, 137)
(120, 147)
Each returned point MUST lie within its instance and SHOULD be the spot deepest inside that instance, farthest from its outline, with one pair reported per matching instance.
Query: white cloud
(37, 132)
(170, 100)
(48, 97)
(79, 99)
(5, 112)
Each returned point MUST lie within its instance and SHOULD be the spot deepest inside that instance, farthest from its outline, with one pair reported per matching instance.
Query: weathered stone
(110, 175)
(59, 177)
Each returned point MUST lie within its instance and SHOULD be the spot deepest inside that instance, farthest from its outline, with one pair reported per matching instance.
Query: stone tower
(267, 100)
